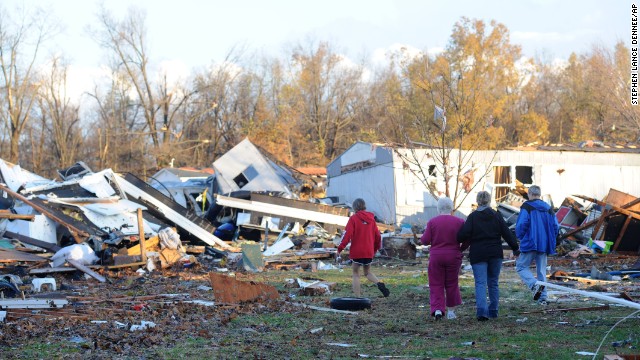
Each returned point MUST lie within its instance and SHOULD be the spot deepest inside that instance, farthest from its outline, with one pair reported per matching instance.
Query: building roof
(313, 171)
(189, 172)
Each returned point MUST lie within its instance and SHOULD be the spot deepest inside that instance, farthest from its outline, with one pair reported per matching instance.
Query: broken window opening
(244, 177)
(240, 180)
(432, 170)
(524, 174)
(502, 182)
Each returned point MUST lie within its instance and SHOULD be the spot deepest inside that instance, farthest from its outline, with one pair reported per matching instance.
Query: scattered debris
(228, 290)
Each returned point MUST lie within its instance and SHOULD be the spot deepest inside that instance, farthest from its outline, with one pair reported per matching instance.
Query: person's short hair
(445, 205)
(534, 191)
(359, 204)
(483, 198)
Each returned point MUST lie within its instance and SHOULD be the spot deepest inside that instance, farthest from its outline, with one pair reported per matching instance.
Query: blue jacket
(537, 227)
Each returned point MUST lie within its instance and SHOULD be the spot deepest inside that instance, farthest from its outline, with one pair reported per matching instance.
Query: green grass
(45, 350)
(396, 326)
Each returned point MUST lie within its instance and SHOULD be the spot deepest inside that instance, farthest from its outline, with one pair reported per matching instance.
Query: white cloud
(83, 79)
(381, 56)
(176, 71)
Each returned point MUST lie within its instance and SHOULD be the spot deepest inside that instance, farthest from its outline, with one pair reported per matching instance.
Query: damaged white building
(385, 179)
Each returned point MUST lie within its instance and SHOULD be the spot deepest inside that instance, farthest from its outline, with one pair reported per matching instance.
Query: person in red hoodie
(363, 234)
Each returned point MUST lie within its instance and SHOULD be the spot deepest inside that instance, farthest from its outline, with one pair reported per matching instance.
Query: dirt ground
(97, 323)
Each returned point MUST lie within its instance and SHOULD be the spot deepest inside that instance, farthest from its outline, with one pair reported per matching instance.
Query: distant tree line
(305, 107)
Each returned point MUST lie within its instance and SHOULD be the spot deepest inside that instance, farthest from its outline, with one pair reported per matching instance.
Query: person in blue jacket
(537, 229)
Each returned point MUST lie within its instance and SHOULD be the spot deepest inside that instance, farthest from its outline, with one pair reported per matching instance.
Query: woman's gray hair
(445, 205)
(483, 198)
(534, 191)
(359, 204)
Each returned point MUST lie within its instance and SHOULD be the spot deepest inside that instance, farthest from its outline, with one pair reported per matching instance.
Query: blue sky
(199, 32)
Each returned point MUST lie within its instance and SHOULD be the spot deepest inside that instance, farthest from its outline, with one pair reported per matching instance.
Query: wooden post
(143, 249)
(266, 235)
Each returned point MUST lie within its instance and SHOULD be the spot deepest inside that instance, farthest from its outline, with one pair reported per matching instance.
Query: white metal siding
(373, 184)
(585, 173)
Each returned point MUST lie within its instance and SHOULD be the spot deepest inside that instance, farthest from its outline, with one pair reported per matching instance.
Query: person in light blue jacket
(537, 229)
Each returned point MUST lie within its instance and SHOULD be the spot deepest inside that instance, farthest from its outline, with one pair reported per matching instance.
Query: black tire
(350, 303)
(8, 289)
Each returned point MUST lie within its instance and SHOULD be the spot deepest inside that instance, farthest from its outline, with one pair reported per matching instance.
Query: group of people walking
(449, 236)
(482, 233)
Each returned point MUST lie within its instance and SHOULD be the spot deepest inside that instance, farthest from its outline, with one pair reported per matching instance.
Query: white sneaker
(537, 291)
(438, 314)
(451, 315)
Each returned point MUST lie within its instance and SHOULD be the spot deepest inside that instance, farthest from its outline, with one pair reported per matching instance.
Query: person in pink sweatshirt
(445, 259)
(363, 234)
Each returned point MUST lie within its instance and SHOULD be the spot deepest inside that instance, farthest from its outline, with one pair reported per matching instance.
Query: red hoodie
(363, 233)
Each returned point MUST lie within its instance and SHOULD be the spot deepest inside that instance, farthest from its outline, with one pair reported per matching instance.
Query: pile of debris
(600, 227)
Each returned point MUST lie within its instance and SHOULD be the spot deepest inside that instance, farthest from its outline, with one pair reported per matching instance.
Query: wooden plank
(594, 221)
(588, 281)
(143, 248)
(118, 266)
(621, 234)
(86, 270)
(31, 241)
(618, 198)
(596, 295)
(324, 309)
(8, 255)
(52, 270)
(12, 216)
(610, 206)
(279, 210)
(591, 308)
(78, 234)
(288, 258)
(596, 229)
(149, 244)
(191, 225)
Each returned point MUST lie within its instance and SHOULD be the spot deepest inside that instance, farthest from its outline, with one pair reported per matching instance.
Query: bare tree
(61, 117)
(116, 126)
(126, 42)
(21, 39)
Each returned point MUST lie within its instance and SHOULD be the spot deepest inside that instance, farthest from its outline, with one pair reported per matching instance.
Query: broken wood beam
(12, 216)
(596, 295)
(179, 219)
(596, 228)
(609, 206)
(10, 255)
(324, 309)
(590, 308)
(149, 244)
(594, 221)
(78, 234)
(51, 270)
(281, 210)
(621, 234)
(86, 270)
(143, 248)
(31, 241)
